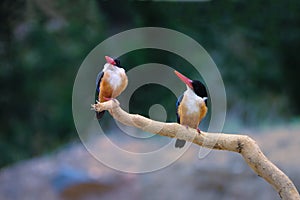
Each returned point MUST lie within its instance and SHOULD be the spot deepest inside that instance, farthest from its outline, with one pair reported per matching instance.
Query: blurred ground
(72, 173)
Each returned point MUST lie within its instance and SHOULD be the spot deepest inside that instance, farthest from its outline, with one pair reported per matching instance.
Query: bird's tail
(99, 115)
(179, 143)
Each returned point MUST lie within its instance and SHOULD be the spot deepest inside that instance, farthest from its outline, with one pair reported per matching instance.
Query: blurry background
(42, 44)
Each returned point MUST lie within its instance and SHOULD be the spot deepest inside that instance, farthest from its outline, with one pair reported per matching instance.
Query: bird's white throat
(192, 101)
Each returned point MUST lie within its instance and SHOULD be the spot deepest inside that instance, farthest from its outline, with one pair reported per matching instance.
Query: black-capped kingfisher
(110, 82)
(191, 105)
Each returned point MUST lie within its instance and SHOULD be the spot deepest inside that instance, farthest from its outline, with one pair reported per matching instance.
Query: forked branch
(242, 144)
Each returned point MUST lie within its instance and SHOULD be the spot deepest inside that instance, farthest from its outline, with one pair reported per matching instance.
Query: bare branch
(242, 144)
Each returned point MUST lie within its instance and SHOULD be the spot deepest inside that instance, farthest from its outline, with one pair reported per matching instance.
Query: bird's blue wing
(98, 81)
(179, 143)
(177, 105)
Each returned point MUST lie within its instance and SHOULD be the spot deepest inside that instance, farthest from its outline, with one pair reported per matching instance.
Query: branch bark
(242, 144)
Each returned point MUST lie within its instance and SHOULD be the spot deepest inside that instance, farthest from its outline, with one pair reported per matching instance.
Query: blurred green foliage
(254, 44)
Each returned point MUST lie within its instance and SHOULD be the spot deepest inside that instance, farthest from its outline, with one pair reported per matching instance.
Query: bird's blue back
(177, 105)
(98, 81)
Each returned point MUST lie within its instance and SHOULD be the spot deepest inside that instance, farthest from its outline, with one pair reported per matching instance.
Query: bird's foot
(114, 102)
(95, 105)
(108, 98)
(198, 130)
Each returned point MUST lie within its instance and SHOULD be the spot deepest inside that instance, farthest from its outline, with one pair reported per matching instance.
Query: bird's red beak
(110, 60)
(184, 79)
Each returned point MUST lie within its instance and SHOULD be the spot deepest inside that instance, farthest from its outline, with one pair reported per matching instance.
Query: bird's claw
(198, 130)
(95, 105)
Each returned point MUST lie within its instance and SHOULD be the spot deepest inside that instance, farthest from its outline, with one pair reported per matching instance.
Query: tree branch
(242, 144)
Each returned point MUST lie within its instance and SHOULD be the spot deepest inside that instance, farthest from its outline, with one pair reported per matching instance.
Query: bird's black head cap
(118, 63)
(199, 88)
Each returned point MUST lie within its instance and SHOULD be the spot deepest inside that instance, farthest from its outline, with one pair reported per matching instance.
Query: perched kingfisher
(191, 105)
(110, 82)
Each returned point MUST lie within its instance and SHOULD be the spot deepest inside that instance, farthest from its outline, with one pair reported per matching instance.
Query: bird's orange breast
(190, 118)
(107, 90)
